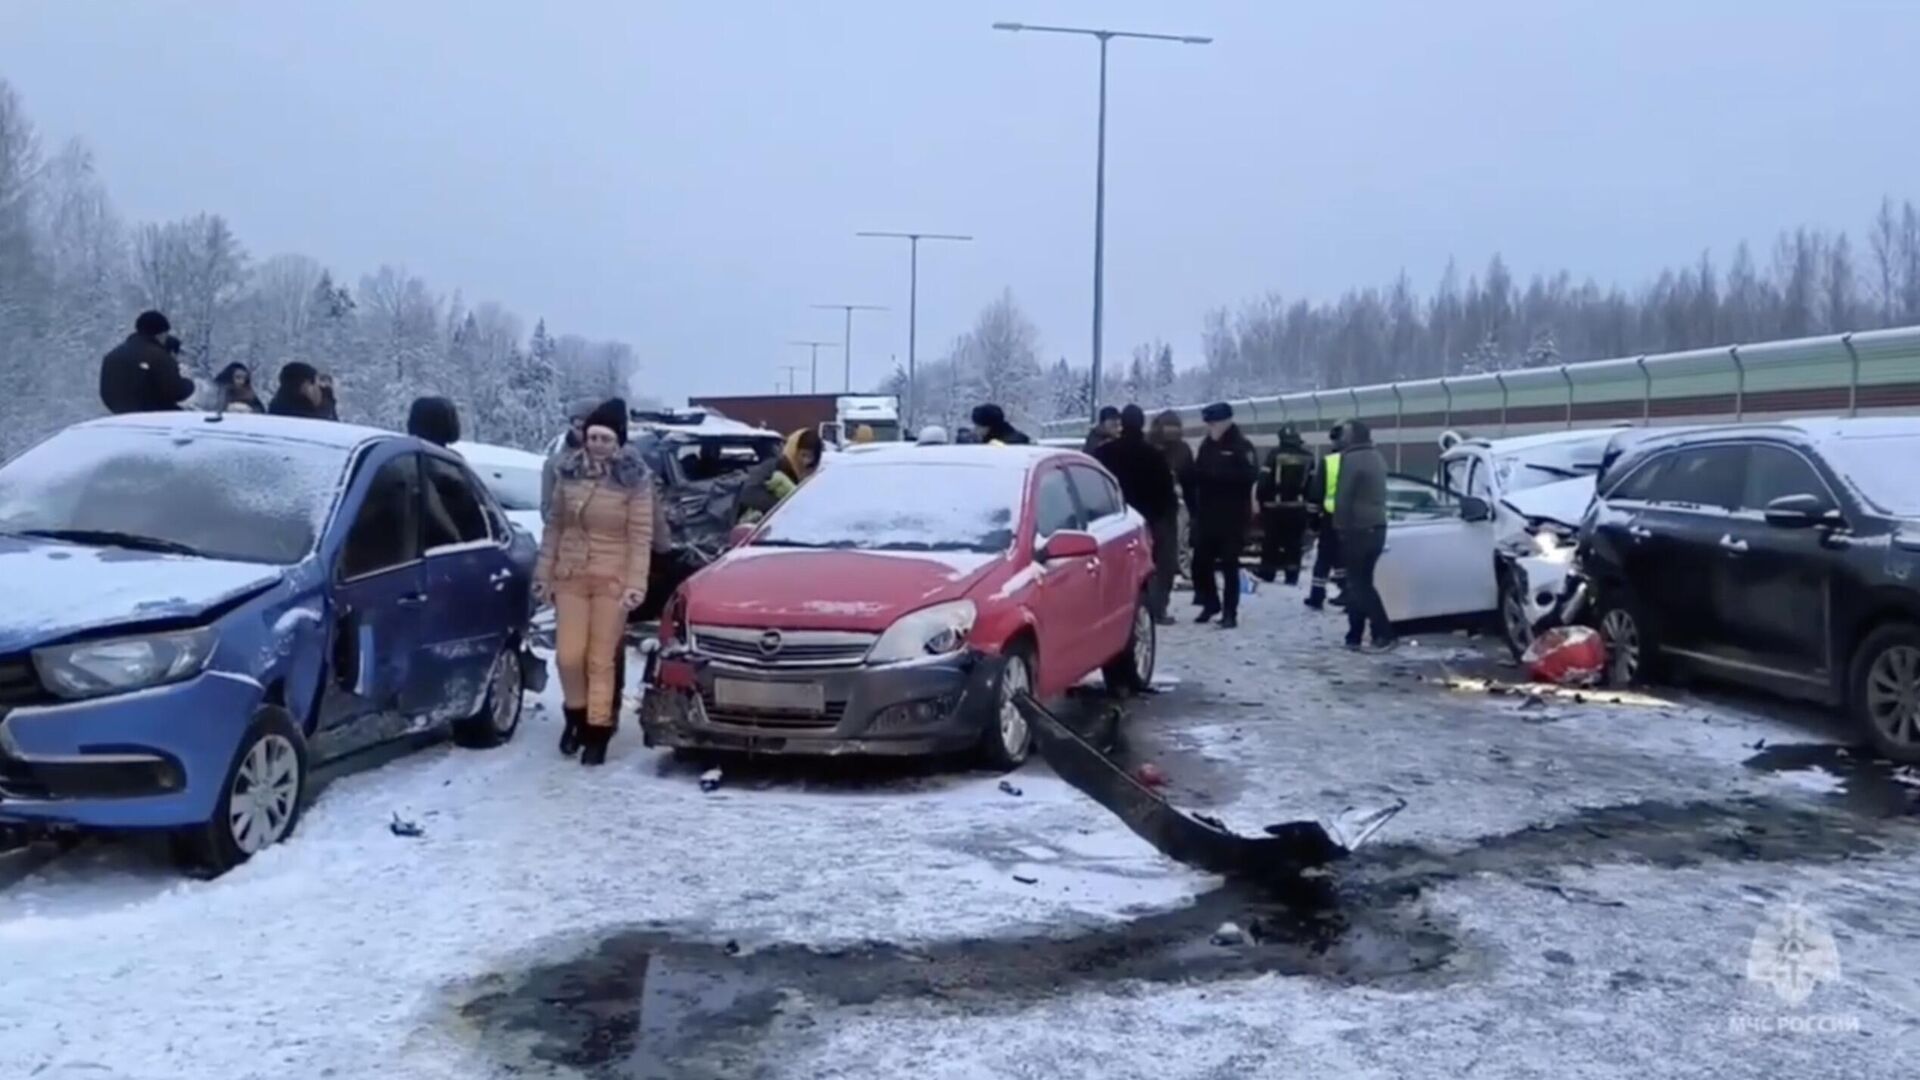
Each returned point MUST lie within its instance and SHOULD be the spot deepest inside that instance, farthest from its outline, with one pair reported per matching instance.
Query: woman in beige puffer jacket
(594, 558)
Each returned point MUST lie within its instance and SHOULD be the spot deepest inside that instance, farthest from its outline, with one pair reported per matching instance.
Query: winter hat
(151, 324)
(1218, 412)
(989, 416)
(1108, 412)
(933, 435)
(612, 415)
(1133, 418)
(434, 419)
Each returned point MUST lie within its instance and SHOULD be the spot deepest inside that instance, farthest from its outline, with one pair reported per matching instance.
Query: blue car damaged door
(379, 599)
(468, 619)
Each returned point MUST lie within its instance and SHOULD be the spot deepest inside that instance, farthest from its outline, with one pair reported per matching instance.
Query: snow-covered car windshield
(1880, 468)
(250, 500)
(901, 506)
(1550, 464)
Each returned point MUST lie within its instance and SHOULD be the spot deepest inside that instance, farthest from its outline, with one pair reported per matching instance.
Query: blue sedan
(195, 610)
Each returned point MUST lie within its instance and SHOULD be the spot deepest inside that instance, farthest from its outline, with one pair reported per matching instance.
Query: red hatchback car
(897, 602)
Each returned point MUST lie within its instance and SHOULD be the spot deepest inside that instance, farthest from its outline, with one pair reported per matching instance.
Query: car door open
(379, 597)
(467, 577)
(1439, 556)
(1067, 600)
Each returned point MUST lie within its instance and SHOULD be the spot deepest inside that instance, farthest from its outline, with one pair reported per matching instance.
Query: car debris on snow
(1007, 788)
(408, 829)
(1151, 775)
(1229, 935)
(1025, 880)
(710, 780)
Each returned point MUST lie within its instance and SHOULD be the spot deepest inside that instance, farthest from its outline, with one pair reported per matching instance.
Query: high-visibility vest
(1330, 467)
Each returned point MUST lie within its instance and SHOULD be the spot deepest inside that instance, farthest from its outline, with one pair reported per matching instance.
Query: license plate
(801, 697)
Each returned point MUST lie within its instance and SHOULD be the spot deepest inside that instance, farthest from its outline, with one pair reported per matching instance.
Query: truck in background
(834, 416)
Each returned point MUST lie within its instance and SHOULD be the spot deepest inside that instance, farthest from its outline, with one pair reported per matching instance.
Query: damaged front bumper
(900, 710)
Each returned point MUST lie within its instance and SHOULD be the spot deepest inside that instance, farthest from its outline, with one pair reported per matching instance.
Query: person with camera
(142, 373)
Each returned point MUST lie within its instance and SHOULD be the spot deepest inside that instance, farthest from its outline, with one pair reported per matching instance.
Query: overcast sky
(689, 176)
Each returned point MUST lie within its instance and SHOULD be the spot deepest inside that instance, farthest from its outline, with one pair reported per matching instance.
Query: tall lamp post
(813, 372)
(1100, 163)
(790, 369)
(913, 304)
(846, 359)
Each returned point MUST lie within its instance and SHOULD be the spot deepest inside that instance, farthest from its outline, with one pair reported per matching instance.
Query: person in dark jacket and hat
(1360, 520)
(990, 424)
(1104, 430)
(1146, 482)
(1283, 506)
(434, 419)
(298, 394)
(141, 374)
(1224, 471)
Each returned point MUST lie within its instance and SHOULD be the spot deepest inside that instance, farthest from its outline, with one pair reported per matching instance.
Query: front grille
(20, 683)
(772, 719)
(796, 648)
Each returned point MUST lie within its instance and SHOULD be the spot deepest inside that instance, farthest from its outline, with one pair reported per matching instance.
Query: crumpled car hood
(1564, 502)
(56, 590)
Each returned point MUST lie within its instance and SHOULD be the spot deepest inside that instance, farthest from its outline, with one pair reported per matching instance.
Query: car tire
(1132, 670)
(499, 715)
(260, 801)
(1632, 650)
(1515, 627)
(1883, 690)
(1007, 741)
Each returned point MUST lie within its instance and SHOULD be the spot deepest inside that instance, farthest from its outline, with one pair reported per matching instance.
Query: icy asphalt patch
(1671, 886)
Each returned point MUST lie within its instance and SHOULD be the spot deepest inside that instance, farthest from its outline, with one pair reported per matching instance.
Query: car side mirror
(1475, 508)
(739, 535)
(1069, 544)
(1801, 512)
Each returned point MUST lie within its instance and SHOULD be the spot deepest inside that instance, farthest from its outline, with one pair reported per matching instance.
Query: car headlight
(1551, 545)
(934, 631)
(90, 669)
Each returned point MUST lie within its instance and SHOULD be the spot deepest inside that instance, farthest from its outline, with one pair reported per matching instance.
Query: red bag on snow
(1567, 656)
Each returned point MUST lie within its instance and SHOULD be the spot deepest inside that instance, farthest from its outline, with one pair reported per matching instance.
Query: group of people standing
(1340, 499)
(142, 374)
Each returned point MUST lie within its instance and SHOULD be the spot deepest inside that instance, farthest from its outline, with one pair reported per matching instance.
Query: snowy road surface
(1585, 887)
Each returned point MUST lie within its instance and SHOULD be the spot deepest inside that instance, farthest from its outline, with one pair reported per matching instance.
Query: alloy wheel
(1145, 645)
(1013, 726)
(1622, 636)
(506, 693)
(1893, 694)
(266, 788)
(1513, 608)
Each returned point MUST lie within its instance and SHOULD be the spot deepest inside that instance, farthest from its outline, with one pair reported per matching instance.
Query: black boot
(1230, 622)
(1207, 612)
(1316, 597)
(570, 735)
(1293, 577)
(593, 742)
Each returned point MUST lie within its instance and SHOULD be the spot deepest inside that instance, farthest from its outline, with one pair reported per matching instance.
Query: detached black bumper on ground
(898, 710)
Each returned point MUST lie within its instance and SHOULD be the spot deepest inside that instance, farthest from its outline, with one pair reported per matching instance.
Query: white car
(514, 478)
(1494, 534)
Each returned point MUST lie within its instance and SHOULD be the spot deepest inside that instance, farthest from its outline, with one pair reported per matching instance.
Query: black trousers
(1216, 567)
(1360, 549)
(1166, 562)
(1283, 536)
(1326, 558)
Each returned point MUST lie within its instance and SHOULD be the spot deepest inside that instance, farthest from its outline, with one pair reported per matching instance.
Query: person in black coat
(1224, 471)
(1283, 506)
(990, 424)
(141, 374)
(435, 420)
(1146, 482)
(299, 393)
(1104, 431)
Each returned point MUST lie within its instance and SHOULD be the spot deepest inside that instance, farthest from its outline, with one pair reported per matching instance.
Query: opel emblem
(770, 643)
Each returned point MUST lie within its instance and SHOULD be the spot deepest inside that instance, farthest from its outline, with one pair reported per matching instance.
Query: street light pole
(1100, 168)
(813, 386)
(913, 307)
(846, 360)
(790, 369)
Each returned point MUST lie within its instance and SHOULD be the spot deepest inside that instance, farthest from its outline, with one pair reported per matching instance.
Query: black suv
(1784, 556)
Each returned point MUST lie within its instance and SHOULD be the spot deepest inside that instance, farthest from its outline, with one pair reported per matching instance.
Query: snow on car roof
(1523, 443)
(713, 425)
(328, 433)
(488, 456)
(1022, 457)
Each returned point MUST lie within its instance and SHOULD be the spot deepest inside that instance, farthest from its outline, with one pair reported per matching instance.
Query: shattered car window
(1549, 464)
(887, 507)
(250, 500)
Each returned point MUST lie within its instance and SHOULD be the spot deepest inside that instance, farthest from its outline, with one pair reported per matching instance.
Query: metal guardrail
(1877, 370)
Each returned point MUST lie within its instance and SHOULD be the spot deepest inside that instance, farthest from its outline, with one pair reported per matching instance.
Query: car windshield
(1880, 468)
(250, 500)
(1550, 464)
(901, 506)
